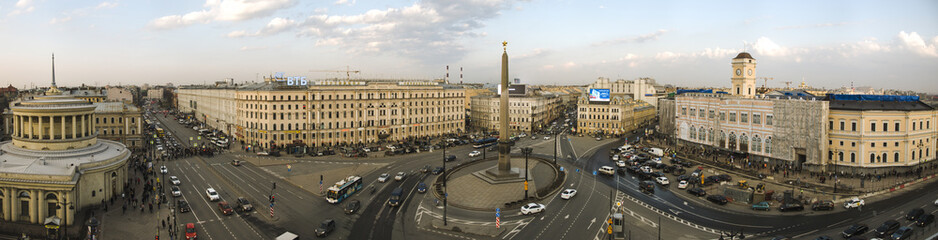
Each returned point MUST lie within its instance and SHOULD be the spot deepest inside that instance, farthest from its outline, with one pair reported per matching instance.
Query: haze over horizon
(686, 43)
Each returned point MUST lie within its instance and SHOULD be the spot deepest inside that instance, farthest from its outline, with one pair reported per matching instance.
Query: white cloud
(667, 56)
(223, 10)
(766, 47)
(106, 5)
(344, 2)
(22, 7)
(237, 34)
(60, 20)
(915, 43)
(636, 39)
(536, 53)
(276, 25)
(569, 64)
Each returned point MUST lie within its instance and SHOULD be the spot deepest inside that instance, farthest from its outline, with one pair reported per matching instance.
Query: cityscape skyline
(829, 45)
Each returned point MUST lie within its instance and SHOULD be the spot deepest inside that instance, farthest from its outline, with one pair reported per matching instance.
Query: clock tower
(744, 75)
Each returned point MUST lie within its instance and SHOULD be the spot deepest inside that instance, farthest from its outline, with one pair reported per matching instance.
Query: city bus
(160, 132)
(395, 199)
(485, 143)
(343, 189)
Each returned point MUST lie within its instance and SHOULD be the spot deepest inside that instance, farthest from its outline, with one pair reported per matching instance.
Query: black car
(823, 205)
(724, 178)
(647, 186)
(352, 206)
(183, 206)
(887, 228)
(718, 199)
(902, 233)
(924, 220)
(786, 207)
(697, 192)
(450, 158)
(914, 214)
(437, 170)
(325, 228)
(854, 230)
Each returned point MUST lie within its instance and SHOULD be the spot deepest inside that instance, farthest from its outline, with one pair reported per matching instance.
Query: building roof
(18, 160)
(795, 93)
(743, 55)
(114, 107)
(879, 105)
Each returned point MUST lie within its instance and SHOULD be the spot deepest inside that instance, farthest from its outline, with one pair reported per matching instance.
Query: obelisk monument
(504, 141)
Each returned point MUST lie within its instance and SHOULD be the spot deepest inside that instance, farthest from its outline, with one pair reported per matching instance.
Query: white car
(400, 176)
(662, 180)
(568, 193)
(615, 157)
(936, 202)
(621, 164)
(164, 170)
(546, 137)
(474, 154)
(176, 191)
(532, 208)
(174, 180)
(384, 177)
(854, 203)
(682, 184)
(607, 170)
(522, 135)
(212, 194)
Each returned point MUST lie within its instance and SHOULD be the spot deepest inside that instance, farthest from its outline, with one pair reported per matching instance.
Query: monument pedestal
(493, 176)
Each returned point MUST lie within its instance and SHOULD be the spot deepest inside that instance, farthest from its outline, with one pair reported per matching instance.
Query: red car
(225, 208)
(190, 231)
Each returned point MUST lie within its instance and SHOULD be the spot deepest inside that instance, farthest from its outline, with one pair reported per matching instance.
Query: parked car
(176, 192)
(662, 180)
(718, 199)
(621, 164)
(764, 206)
(174, 180)
(212, 194)
(854, 203)
(568, 193)
(421, 187)
(183, 206)
(225, 208)
(532, 208)
(682, 184)
(823, 205)
(855, 230)
(887, 228)
(326, 227)
(902, 233)
(925, 220)
(400, 176)
(474, 154)
(384, 177)
(697, 192)
(785, 207)
(244, 204)
(190, 231)
(914, 214)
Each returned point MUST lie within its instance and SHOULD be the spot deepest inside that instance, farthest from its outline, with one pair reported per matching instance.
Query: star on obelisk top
(505, 46)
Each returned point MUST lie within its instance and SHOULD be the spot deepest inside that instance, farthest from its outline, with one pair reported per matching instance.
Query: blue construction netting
(680, 91)
(882, 98)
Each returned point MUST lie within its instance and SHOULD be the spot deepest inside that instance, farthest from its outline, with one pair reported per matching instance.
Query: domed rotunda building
(55, 165)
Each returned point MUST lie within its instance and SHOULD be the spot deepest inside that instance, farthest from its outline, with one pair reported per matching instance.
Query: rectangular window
(885, 126)
(711, 114)
(744, 117)
(722, 116)
(693, 112)
(842, 125)
(831, 125)
(732, 117)
(872, 126)
(768, 120)
(897, 126)
(757, 118)
(853, 126)
(684, 111)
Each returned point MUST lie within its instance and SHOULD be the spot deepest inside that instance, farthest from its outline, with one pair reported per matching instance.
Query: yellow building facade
(875, 134)
(621, 115)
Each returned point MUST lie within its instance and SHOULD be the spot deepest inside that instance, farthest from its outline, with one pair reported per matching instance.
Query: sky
(829, 44)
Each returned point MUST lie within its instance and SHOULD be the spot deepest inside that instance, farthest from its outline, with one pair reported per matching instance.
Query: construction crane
(787, 85)
(765, 80)
(348, 72)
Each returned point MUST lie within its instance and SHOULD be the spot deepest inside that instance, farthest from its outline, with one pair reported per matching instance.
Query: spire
(53, 90)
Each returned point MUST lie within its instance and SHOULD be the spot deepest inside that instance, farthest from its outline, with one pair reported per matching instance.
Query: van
(288, 236)
(607, 170)
(396, 195)
(656, 151)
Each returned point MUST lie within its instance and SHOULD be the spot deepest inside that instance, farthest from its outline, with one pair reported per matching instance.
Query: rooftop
(109, 107)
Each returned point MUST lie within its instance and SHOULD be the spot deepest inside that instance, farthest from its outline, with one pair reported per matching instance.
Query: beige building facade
(643, 89)
(872, 134)
(119, 122)
(621, 115)
(527, 113)
(120, 94)
(328, 112)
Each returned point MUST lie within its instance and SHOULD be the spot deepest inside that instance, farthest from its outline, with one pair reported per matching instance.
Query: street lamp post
(921, 158)
(70, 206)
(526, 151)
(444, 183)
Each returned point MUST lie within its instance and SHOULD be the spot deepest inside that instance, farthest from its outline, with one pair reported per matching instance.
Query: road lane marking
(805, 234)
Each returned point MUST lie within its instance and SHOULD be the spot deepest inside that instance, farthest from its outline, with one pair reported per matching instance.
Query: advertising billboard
(514, 89)
(599, 95)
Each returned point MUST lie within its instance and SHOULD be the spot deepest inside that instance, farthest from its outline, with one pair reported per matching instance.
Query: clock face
(750, 72)
(739, 72)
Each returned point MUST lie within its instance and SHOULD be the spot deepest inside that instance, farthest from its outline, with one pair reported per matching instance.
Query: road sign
(609, 229)
(619, 204)
(289, 168)
(525, 185)
(594, 172)
(561, 169)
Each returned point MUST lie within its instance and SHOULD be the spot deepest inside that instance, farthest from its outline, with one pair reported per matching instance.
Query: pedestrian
(164, 224)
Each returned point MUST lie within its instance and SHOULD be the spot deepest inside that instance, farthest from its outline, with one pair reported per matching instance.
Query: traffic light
(272, 199)
(275, 185)
(157, 237)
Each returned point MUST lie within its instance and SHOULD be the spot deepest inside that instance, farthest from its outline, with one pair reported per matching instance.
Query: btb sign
(292, 81)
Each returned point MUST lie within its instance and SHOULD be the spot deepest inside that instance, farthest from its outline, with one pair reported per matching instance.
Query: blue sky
(829, 44)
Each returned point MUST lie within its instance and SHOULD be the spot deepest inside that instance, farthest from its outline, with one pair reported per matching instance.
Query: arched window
(896, 157)
(853, 157)
(830, 155)
(884, 158)
(710, 136)
(703, 134)
(693, 132)
(743, 143)
(732, 140)
(756, 143)
(872, 157)
(768, 145)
